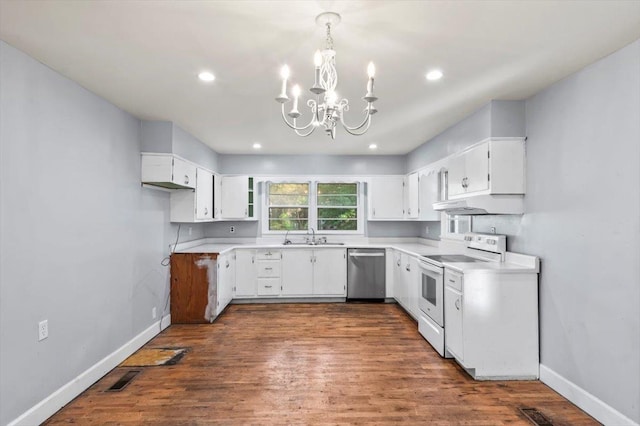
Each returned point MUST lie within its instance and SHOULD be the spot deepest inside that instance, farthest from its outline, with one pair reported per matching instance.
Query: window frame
(444, 227)
(312, 219)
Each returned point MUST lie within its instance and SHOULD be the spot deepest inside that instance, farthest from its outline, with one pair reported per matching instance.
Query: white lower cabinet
(226, 281)
(246, 274)
(406, 286)
(491, 323)
(330, 272)
(297, 272)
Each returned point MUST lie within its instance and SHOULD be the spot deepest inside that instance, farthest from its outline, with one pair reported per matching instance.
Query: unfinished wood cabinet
(191, 275)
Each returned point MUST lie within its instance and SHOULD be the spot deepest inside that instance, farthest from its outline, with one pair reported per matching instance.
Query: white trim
(58, 399)
(595, 407)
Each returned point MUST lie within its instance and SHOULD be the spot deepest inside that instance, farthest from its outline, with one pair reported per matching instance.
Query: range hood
(483, 204)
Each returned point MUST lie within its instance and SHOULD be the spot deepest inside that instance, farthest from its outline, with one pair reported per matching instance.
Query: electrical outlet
(154, 314)
(43, 330)
(232, 229)
(426, 229)
(190, 230)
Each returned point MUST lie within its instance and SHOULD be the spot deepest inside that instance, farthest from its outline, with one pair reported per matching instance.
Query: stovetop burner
(459, 258)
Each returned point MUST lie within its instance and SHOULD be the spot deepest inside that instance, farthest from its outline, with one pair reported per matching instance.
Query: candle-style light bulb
(317, 59)
(371, 70)
(296, 94)
(284, 73)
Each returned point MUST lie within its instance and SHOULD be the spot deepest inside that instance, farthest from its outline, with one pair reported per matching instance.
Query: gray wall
(313, 164)
(495, 119)
(167, 137)
(583, 220)
(81, 240)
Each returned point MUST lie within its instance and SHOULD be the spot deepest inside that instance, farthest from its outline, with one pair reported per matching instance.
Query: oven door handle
(427, 267)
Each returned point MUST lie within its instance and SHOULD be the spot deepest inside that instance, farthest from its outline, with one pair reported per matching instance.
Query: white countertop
(514, 263)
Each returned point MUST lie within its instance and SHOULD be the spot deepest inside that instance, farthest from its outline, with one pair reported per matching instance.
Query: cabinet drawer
(453, 279)
(268, 254)
(268, 268)
(268, 286)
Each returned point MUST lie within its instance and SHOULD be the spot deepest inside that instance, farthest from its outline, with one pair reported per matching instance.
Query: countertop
(514, 262)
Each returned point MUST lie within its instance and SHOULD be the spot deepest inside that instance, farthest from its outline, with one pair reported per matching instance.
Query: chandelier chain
(329, 38)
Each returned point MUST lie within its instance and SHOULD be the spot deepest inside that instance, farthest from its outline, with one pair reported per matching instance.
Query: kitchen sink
(311, 244)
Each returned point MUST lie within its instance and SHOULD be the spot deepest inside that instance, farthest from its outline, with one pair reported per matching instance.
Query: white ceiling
(144, 57)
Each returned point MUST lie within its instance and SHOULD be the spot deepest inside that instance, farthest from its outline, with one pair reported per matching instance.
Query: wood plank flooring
(310, 364)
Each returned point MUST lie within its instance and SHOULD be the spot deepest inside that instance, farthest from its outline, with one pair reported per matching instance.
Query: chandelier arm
(299, 133)
(294, 126)
(367, 119)
(352, 130)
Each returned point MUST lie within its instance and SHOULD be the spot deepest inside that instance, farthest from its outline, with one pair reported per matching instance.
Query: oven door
(431, 292)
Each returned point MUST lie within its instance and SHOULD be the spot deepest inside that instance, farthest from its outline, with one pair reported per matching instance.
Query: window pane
(289, 188)
(288, 200)
(288, 213)
(337, 200)
(337, 188)
(288, 225)
(337, 224)
(337, 213)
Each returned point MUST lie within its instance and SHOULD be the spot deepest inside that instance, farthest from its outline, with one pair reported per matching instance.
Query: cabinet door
(429, 187)
(245, 273)
(477, 168)
(235, 190)
(413, 285)
(190, 277)
(386, 197)
(330, 272)
(397, 275)
(184, 173)
(297, 272)
(217, 196)
(204, 194)
(453, 321)
(457, 173)
(412, 196)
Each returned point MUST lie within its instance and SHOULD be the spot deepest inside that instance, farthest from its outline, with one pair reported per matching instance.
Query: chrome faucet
(286, 240)
(313, 238)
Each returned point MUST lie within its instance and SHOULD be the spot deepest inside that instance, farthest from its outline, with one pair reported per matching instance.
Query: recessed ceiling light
(373, 146)
(257, 146)
(434, 75)
(206, 76)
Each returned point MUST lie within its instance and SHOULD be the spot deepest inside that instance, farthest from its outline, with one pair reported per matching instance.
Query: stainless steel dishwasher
(366, 274)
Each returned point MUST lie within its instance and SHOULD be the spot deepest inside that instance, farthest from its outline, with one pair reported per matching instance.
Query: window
(327, 207)
(337, 206)
(288, 206)
(455, 226)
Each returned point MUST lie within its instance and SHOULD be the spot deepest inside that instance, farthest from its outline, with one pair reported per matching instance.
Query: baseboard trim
(58, 399)
(596, 408)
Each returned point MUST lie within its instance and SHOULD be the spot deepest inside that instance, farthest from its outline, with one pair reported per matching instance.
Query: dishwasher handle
(366, 254)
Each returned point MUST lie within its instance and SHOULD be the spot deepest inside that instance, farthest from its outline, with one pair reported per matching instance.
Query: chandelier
(326, 109)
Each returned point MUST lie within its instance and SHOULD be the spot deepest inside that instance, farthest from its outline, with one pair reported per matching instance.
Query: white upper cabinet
(429, 187)
(386, 198)
(204, 195)
(167, 171)
(412, 196)
(217, 195)
(234, 197)
(492, 167)
(194, 206)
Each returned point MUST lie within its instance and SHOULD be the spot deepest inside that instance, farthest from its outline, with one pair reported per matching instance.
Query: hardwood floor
(310, 364)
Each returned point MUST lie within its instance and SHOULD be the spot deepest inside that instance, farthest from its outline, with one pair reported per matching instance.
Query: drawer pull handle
(268, 286)
(268, 269)
(452, 281)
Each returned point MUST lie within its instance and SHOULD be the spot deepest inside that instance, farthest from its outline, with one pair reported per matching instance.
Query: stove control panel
(488, 242)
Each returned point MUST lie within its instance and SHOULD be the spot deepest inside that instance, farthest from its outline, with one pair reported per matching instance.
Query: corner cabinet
(194, 285)
(237, 197)
(167, 171)
(491, 167)
(195, 206)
